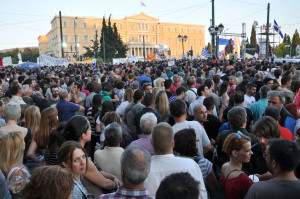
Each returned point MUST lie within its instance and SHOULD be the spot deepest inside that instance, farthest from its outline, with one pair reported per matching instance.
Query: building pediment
(142, 16)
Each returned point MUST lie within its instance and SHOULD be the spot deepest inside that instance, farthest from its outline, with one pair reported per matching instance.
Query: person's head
(200, 113)
(282, 156)
(237, 117)
(268, 81)
(190, 82)
(53, 81)
(178, 108)
(162, 139)
(78, 129)
(113, 134)
(12, 111)
(96, 103)
(263, 91)
(135, 165)
(63, 95)
(178, 186)
(54, 90)
(185, 143)
(273, 112)
(128, 95)
(297, 136)
(32, 118)
(49, 121)
(176, 78)
(148, 100)
(49, 182)
(238, 97)
(147, 122)
(276, 98)
(77, 86)
(224, 88)
(209, 103)
(232, 80)
(168, 84)
(111, 117)
(266, 128)
(138, 95)
(238, 145)
(11, 151)
(292, 108)
(159, 83)
(16, 88)
(209, 83)
(162, 103)
(286, 81)
(147, 88)
(203, 91)
(251, 89)
(73, 156)
(180, 91)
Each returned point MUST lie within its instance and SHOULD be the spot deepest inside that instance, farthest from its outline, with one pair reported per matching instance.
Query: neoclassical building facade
(132, 30)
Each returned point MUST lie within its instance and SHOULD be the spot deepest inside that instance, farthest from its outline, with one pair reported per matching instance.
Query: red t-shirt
(236, 188)
(286, 133)
(173, 88)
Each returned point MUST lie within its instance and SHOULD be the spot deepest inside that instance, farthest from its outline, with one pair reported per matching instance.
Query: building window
(194, 30)
(181, 29)
(200, 31)
(132, 27)
(153, 28)
(162, 28)
(95, 25)
(188, 30)
(84, 25)
(86, 38)
(65, 24)
(76, 38)
(66, 38)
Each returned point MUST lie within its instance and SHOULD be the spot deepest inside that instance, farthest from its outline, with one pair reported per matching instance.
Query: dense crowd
(195, 129)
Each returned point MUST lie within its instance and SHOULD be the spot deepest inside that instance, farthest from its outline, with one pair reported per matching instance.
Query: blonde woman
(11, 157)
(162, 105)
(160, 83)
(32, 121)
(155, 90)
(128, 97)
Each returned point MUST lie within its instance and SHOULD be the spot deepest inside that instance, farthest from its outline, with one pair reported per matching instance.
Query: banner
(125, 60)
(87, 61)
(229, 45)
(51, 61)
(7, 61)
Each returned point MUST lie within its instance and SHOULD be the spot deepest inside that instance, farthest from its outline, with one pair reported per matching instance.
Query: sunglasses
(238, 135)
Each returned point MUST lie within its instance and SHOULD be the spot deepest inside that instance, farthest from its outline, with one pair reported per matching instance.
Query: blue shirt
(258, 108)
(142, 78)
(290, 123)
(66, 110)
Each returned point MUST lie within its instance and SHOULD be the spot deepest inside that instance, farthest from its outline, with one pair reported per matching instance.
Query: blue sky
(21, 22)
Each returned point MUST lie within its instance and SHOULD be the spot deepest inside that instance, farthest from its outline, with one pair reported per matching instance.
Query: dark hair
(14, 88)
(168, 83)
(148, 99)
(180, 89)
(48, 182)
(21, 78)
(277, 73)
(251, 85)
(138, 94)
(90, 87)
(178, 186)
(285, 152)
(96, 104)
(285, 80)
(79, 85)
(53, 86)
(177, 108)
(273, 112)
(238, 97)
(119, 84)
(223, 88)
(75, 127)
(209, 83)
(185, 142)
(107, 106)
(200, 89)
(266, 127)
(265, 81)
(56, 138)
(209, 103)
(108, 88)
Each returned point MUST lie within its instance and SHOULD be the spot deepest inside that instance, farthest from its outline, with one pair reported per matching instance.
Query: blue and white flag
(95, 63)
(220, 53)
(205, 53)
(277, 29)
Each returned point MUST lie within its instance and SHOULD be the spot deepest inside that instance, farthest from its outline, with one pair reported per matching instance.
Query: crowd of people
(196, 129)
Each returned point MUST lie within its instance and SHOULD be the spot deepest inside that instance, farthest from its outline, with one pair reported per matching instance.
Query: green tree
(295, 42)
(253, 40)
(120, 47)
(208, 47)
(286, 39)
(103, 34)
(94, 49)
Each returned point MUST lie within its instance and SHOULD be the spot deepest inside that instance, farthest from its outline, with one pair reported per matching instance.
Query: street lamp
(217, 30)
(75, 36)
(182, 39)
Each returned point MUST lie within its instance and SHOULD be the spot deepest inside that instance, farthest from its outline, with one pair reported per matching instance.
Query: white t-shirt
(165, 165)
(248, 100)
(202, 139)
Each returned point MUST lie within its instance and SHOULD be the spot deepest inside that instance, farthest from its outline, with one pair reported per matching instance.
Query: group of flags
(205, 53)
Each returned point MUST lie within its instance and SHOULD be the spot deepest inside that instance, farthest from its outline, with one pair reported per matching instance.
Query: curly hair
(185, 142)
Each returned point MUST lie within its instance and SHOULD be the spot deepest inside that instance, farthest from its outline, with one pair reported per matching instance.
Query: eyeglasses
(238, 135)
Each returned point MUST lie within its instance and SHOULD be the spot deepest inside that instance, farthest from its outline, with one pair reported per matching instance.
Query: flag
(205, 53)
(94, 67)
(220, 53)
(277, 29)
(142, 4)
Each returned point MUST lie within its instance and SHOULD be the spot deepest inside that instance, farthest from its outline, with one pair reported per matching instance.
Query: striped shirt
(123, 193)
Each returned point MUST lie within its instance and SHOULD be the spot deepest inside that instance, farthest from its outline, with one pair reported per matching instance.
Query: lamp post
(182, 39)
(75, 36)
(216, 31)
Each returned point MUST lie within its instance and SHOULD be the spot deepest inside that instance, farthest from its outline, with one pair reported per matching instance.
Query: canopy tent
(29, 65)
